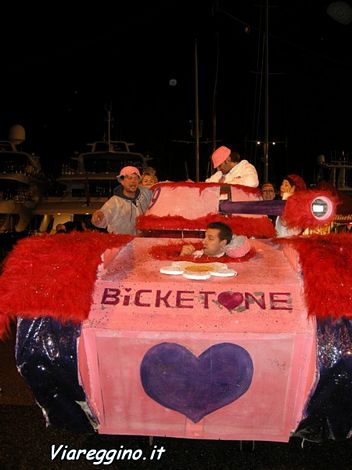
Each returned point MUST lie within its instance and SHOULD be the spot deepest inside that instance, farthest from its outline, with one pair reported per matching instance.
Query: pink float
(224, 357)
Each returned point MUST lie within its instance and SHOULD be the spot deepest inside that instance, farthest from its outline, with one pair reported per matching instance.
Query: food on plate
(199, 268)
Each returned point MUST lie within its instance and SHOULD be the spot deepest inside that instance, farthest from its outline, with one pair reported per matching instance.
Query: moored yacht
(22, 184)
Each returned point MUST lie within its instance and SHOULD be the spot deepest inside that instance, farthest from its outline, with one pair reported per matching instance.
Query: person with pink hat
(231, 169)
(130, 200)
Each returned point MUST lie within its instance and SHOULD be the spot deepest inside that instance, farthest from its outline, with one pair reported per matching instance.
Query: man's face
(130, 183)
(268, 192)
(212, 244)
(225, 166)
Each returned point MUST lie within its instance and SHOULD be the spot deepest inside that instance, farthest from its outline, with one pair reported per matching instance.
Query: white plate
(171, 270)
(215, 269)
(224, 273)
(196, 276)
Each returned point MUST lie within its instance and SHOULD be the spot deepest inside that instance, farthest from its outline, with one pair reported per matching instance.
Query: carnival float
(111, 339)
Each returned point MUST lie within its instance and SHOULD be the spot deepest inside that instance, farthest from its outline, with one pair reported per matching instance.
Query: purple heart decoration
(230, 300)
(196, 386)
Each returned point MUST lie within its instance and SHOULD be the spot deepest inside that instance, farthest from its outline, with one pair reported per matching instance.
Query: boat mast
(107, 137)
(266, 74)
(109, 127)
(196, 113)
(215, 90)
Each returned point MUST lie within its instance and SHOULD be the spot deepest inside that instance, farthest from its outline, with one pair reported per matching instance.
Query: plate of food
(198, 268)
(198, 271)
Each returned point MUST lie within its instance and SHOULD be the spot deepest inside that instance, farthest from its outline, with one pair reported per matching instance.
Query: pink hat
(220, 155)
(129, 170)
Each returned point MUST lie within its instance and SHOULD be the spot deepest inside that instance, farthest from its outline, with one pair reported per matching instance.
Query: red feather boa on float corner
(326, 263)
(53, 275)
(203, 186)
(298, 209)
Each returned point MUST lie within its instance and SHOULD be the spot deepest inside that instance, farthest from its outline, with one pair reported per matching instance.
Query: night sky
(62, 66)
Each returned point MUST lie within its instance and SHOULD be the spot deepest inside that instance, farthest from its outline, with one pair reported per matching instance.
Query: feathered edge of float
(53, 275)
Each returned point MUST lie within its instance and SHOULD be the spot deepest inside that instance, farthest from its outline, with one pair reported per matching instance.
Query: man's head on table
(217, 236)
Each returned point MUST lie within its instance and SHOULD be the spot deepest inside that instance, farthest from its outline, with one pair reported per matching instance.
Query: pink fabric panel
(237, 194)
(180, 201)
(270, 410)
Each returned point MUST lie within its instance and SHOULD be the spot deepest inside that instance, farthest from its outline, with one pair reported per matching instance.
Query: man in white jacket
(231, 169)
(119, 213)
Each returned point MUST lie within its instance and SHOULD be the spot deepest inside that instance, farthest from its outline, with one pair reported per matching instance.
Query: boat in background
(86, 183)
(22, 183)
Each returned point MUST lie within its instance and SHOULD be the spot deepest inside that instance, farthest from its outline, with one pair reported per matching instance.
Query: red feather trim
(326, 265)
(171, 252)
(297, 212)
(202, 186)
(53, 275)
(258, 227)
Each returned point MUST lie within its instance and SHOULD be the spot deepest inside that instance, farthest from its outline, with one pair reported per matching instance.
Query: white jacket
(243, 173)
(120, 213)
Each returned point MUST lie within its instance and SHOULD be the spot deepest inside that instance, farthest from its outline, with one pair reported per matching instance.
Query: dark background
(63, 64)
